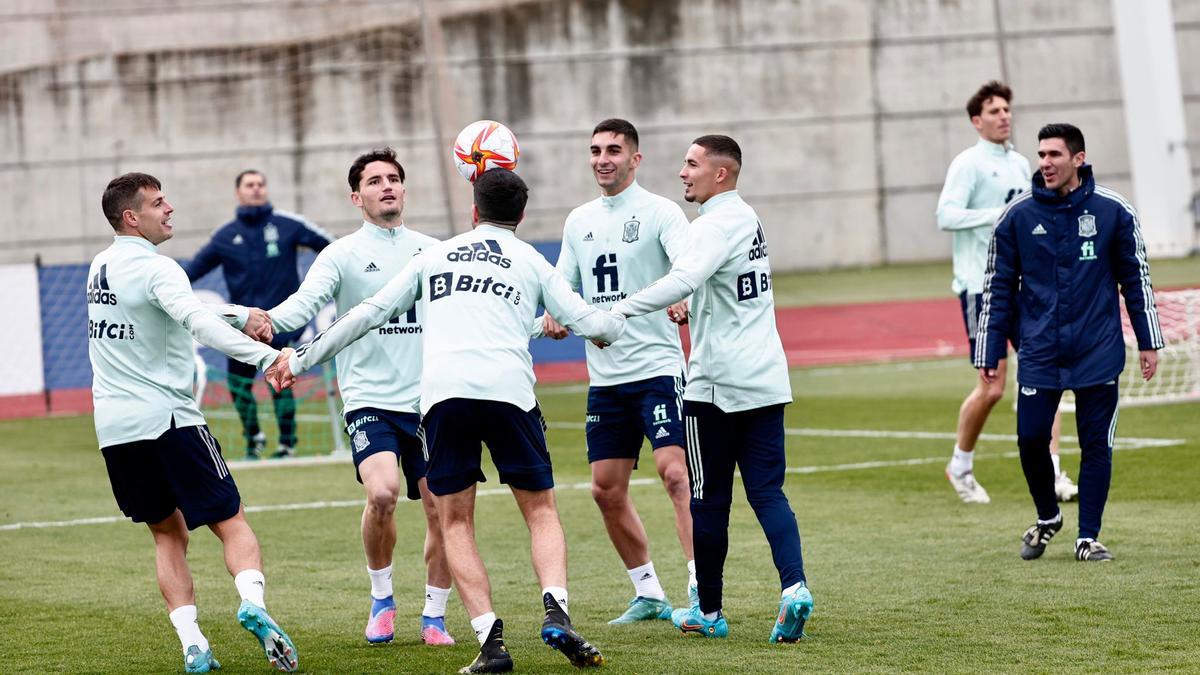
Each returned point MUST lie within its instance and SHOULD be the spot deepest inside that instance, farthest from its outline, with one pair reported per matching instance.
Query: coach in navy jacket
(1057, 255)
(257, 252)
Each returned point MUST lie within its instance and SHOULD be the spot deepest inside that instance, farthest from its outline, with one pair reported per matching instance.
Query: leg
(285, 415)
(241, 546)
(548, 544)
(380, 475)
(710, 461)
(610, 491)
(672, 469)
(763, 461)
(170, 561)
(456, 513)
(437, 567)
(241, 389)
(1035, 419)
(1096, 417)
(976, 408)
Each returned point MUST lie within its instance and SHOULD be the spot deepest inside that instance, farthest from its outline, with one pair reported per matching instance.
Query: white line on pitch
(491, 492)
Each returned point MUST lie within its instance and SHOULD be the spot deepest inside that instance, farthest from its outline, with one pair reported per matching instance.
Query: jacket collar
(995, 149)
(254, 215)
(129, 240)
(718, 199)
(495, 230)
(622, 198)
(1087, 185)
(384, 232)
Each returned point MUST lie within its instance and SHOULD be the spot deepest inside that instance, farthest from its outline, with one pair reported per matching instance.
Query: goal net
(1178, 376)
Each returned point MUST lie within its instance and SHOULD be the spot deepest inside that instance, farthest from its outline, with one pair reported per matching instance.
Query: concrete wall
(848, 111)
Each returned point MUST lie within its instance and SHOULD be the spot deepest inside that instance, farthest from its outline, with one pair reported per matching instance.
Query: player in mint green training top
(379, 377)
(164, 466)
(980, 182)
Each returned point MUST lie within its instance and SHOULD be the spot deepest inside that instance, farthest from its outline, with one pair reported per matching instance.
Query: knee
(675, 480)
(765, 497)
(608, 496)
(381, 499)
(992, 393)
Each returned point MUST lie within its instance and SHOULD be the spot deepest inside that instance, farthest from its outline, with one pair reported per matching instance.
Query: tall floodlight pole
(1154, 123)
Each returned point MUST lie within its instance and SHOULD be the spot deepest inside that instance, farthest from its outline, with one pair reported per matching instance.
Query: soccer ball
(484, 145)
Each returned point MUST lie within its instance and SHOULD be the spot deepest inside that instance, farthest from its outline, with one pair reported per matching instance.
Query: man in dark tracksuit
(1057, 256)
(257, 252)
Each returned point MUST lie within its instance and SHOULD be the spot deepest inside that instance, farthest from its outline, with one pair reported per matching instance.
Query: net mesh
(1178, 376)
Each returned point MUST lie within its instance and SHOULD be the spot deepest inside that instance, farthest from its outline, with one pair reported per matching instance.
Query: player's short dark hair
(500, 196)
(237, 182)
(377, 155)
(722, 146)
(124, 193)
(1069, 133)
(989, 90)
(620, 127)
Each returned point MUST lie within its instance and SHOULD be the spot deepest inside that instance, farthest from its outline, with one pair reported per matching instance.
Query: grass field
(905, 576)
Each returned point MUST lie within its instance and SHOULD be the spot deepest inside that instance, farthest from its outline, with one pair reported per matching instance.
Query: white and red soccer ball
(485, 145)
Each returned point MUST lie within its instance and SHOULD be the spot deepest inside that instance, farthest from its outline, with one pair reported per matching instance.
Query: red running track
(832, 334)
(846, 334)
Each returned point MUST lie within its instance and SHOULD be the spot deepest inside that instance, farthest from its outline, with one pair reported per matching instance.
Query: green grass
(921, 281)
(905, 577)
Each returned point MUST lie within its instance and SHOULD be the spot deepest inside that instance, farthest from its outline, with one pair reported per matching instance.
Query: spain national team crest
(1087, 225)
(360, 441)
(630, 234)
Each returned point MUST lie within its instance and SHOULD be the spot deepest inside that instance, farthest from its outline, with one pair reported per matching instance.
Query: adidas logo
(484, 251)
(758, 247)
(588, 237)
(662, 433)
(646, 576)
(371, 267)
(237, 239)
(98, 292)
(1039, 229)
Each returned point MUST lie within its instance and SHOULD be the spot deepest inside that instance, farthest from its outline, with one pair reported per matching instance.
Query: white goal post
(1178, 376)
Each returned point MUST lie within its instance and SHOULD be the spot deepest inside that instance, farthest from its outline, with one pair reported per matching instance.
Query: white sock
(712, 616)
(691, 567)
(381, 582)
(792, 589)
(482, 625)
(1057, 465)
(435, 601)
(184, 620)
(1077, 543)
(251, 585)
(1055, 519)
(962, 461)
(560, 594)
(645, 582)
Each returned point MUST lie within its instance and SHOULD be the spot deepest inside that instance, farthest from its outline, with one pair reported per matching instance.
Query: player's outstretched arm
(170, 291)
(315, 291)
(397, 296)
(562, 301)
(708, 251)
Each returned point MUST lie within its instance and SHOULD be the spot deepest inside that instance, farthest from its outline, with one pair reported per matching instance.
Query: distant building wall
(848, 111)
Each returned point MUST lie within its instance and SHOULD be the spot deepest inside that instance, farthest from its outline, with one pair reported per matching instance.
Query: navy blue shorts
(972, 306)
(181, 469)
(373, 430)
(457, 428)
(620, 415)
